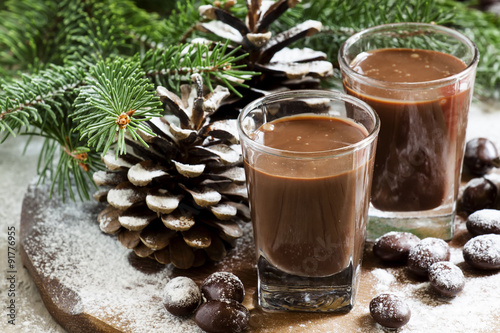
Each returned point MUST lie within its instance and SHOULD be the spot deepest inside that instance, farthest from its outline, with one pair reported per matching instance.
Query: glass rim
(470, 67)
(309, 93)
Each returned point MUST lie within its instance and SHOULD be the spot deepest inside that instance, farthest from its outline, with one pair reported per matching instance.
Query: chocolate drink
(309, 215)
(418, 145)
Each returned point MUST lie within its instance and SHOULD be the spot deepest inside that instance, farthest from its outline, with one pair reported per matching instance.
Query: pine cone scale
(162, 206)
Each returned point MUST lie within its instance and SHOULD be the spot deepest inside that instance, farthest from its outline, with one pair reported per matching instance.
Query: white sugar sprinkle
(106, 285)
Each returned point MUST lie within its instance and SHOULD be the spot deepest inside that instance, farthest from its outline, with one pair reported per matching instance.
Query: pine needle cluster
(82, 74)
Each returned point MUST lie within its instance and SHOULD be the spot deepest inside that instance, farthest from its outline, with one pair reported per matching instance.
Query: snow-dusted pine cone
(269, 54)
(183, 198)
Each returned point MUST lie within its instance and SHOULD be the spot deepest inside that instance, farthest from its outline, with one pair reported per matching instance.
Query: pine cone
(267, 53)
(182, 199)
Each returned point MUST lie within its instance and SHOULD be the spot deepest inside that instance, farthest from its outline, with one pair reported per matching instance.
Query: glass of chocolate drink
(308, 158)
(419, 79)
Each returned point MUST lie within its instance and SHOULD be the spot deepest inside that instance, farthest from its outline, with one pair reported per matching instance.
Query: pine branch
(484, 30)
(34, 100)
(27, 33)
(341, 19)
(177, 28)
(177, 63)
(76, 164)
(35, 34)
(40, 105)
(116, 100)
(99, 34)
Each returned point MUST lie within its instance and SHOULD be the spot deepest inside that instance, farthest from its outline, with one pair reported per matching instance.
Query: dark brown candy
(429, 251)
(446, 278)
(395, 246)
(222, 316)
(484, 221)
(483, 252)
(181, 296)
(390, 311)
(480, 156)
(223, 285)
(479, 193)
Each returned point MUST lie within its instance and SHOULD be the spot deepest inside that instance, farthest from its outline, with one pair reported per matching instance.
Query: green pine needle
(176, 64)
(116, 99)
(34, 100)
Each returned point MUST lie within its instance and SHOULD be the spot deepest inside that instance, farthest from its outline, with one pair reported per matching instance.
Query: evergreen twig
(116, 100)
(176, 64)
(33, 100)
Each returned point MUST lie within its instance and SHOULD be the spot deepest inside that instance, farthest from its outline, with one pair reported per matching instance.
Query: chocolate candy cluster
(216, 305)
(429, 258)
(481, 192)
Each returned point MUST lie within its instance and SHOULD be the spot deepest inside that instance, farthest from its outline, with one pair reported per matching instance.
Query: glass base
(282, 291)
(422, 224)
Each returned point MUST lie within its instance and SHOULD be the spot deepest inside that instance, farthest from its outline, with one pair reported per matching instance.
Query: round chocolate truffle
(223, 285)
(483, 252)
(485, 221)
(222, 316)
(390, 311)
(429, 251)
(479, 193)
(479, 156)
(395, 246)
(181, 296)
(446, 278)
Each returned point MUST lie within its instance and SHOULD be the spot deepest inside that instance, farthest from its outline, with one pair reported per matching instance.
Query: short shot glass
(419, 79)
(308, 158)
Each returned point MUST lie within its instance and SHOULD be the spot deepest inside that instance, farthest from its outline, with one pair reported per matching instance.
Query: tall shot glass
(419, 78)
(308, 158)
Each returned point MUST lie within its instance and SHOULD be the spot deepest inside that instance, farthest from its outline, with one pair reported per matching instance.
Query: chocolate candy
(181, 296)
(390, 311)
(479, 156)
(395, 246)
(479, 193)
(223, 285)
(485, 221)
(446, 278)
(483, 252)
(222, 316)
(429, 251)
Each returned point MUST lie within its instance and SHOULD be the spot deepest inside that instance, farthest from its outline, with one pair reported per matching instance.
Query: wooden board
(90, 283)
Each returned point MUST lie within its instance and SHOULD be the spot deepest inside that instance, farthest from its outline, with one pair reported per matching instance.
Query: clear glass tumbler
(419, 78)
(308, 158)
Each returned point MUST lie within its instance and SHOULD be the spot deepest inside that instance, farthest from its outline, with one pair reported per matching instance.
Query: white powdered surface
(469, 311)
(181, 291)
(16, 171)
(107, 285)
(446, 275)
(484, 249)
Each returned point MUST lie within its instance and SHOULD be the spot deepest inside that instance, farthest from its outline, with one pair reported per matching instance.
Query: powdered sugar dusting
(467, 312)
(446, 277)
(105, 285)
(486, 217)
(485, 221)
(181, 291)
(384, 279)
(121, 197)
(140, 175)
(484, 249)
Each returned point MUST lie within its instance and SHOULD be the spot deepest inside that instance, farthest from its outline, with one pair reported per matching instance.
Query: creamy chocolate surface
(407, 65)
